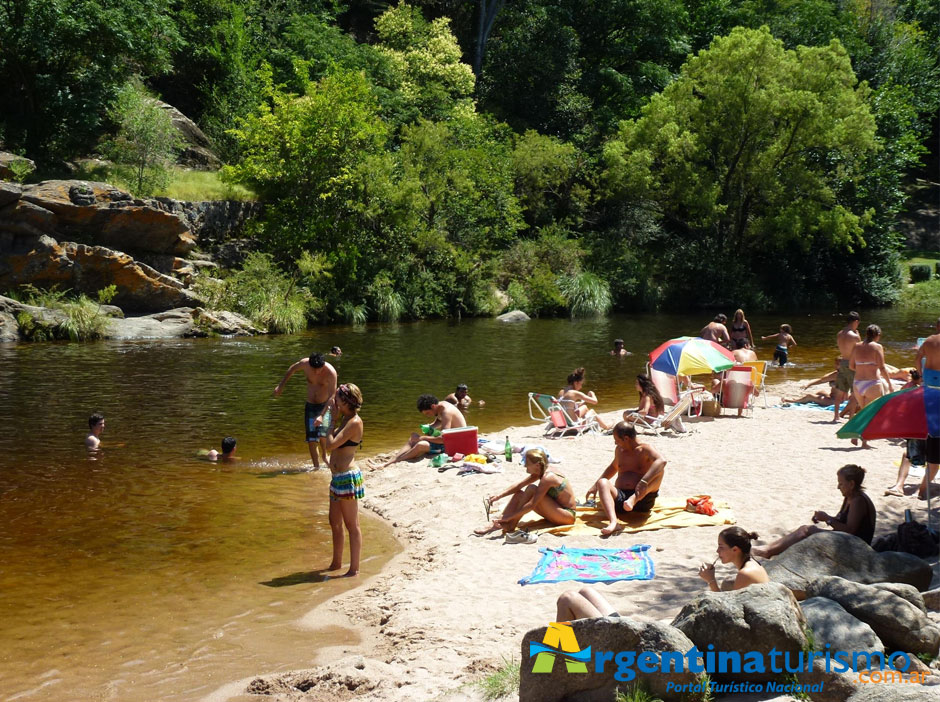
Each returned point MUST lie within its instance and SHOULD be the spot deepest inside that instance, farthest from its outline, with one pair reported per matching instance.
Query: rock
(757, 618)
(831, 624)
(846, 556)
(232, 254)
(6, 161)
(836, 687)
(196, 152)
(225, 323)
(87, 269)
(213, 222)
(9, 329)
(895, 692)
(9, 192)
(101, 214)
(513, 316)
(932, 600)
(23, 217)
(172, 324)
(900, 625)
(613, 634)
(905, 592)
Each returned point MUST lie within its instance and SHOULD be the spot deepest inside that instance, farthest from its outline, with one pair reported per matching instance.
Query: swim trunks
(781, 354)
(311, 412)
(436, 449)
(916, 451)
(933, 449)
(845, 377)
(644, 505)
(347, 486)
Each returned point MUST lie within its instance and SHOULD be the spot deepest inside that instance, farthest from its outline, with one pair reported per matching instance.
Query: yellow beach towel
(667, 514)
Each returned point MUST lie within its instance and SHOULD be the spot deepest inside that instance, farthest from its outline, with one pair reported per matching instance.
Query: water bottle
(508, 450)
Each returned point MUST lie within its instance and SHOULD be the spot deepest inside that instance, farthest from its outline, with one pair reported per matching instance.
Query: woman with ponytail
(734, 546)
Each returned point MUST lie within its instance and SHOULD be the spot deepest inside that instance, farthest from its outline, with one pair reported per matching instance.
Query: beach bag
(701, 504)
(915, 538)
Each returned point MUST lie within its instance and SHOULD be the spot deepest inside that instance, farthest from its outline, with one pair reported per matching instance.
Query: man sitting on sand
(95, 427)
(445, 415)
(639, 471)
(228, 451)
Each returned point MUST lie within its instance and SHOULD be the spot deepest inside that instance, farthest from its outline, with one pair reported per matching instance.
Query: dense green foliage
(443, 158)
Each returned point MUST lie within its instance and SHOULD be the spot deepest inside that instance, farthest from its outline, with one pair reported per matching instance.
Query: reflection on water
(149, 574)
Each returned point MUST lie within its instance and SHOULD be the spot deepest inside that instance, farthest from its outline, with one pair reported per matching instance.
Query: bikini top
(554, 492)
(736, 328)
(351, 443)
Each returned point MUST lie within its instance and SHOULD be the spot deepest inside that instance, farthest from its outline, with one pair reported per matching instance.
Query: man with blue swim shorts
(928, 358)
(430, 441)
(321, 387)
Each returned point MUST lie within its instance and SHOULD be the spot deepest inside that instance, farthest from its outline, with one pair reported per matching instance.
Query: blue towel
(592, 565)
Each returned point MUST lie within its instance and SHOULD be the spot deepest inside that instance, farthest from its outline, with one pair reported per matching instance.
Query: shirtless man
(445, 416)
(639, 471)
(459, 397)
(95, 427)
(846, 339)
(717, 331)
(321, 387)
(228, 451)
(618, 349)
(741, 353)
(928, 359)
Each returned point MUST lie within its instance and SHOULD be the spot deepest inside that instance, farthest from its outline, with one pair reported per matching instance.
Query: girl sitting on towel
(856, 517)
(734, 546)
(542, 491)
(651, 402)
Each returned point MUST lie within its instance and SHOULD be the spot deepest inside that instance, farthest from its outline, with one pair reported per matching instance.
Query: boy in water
(228, 451)
(784, 342)
(321, 387)
(95, 427)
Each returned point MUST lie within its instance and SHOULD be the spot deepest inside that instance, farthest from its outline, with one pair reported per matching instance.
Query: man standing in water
(928, 358)
(846, 340)
(321, 387)
(95, 427)
(716, 330)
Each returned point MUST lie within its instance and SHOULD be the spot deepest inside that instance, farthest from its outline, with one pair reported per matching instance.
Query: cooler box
(462, 440)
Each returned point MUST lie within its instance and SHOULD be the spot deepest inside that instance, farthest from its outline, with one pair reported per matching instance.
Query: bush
(587, 294)
(920, 272)
(503, 683)
(83, 319)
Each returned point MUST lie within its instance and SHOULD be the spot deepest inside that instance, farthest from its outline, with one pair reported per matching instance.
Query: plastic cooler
(462, 440)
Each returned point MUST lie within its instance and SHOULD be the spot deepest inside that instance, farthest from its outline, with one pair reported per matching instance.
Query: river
(150, 574)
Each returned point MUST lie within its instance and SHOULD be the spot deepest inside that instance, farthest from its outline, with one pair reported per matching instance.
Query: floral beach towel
(592, 565)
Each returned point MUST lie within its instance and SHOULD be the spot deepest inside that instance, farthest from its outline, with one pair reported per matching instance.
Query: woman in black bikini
(542, 491)
(856, 516)
(346, 487)
(740, 329)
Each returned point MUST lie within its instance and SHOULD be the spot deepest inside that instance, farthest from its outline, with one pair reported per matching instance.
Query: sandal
(521, 537)
(487, 505)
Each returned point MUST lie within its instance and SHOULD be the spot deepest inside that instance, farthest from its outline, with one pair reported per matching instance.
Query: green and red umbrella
(900, 415)
(689, 356)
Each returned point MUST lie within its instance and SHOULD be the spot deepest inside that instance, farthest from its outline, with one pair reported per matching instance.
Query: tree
(61, 64)
(146, 140)
(750, 152)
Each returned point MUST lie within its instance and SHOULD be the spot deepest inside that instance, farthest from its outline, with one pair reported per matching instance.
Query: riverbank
(448, 610)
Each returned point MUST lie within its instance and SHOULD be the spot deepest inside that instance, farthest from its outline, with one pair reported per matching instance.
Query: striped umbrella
(900, 415)
(689, 356)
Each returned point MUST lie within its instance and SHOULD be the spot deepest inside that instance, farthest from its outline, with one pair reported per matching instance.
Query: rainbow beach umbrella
(900, 415)
(689, 355)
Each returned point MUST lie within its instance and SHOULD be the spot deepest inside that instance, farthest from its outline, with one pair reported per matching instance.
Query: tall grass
(587, 294)
(183, 184)
(83, 320)
(503, 683)
(635, 693)
(924, 295)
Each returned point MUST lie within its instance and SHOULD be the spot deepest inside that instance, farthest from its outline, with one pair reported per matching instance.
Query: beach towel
(668, 513)
(592, 565)
(809, 406)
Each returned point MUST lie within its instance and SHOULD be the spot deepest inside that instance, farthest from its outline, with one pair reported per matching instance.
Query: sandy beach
(448, 610)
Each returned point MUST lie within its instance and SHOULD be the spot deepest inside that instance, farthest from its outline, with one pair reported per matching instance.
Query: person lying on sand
(734, 546)
(445, 416)
(856, 516)
(542, 491)
(639, 472)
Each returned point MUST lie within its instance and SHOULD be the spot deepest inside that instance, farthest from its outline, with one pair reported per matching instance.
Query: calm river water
(149, 574)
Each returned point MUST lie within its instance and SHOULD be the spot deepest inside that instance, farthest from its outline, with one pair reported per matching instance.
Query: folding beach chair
(665, 383)
(736, 389)
(758, 377)
(545, 408)
(671, 420)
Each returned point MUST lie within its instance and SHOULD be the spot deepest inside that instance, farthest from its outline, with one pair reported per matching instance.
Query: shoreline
(447, 610)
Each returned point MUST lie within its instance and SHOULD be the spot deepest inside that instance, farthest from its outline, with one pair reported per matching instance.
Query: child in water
(784, 341)
(228, 451)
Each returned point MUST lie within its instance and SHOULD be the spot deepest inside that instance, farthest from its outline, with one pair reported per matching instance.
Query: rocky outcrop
(613, 634)
(6, 159)
(900, 625)
(180, 323)
(846, 556)
(757, 618)
(44, 262)
(197, 149)
(212, 222)
(831, 624)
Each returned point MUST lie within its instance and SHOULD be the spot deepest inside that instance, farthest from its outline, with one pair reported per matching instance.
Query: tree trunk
(486, 16)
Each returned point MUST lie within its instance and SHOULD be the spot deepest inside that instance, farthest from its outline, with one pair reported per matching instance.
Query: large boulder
(9, 192)
(180, 323)
(832, 686)
(197, 149)
(43, 262)
(900, 625)
(846, 556)
(831, 624)
(513, 316)
(606, 634)
(758, 618)
(6, 161)
(895, 692)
